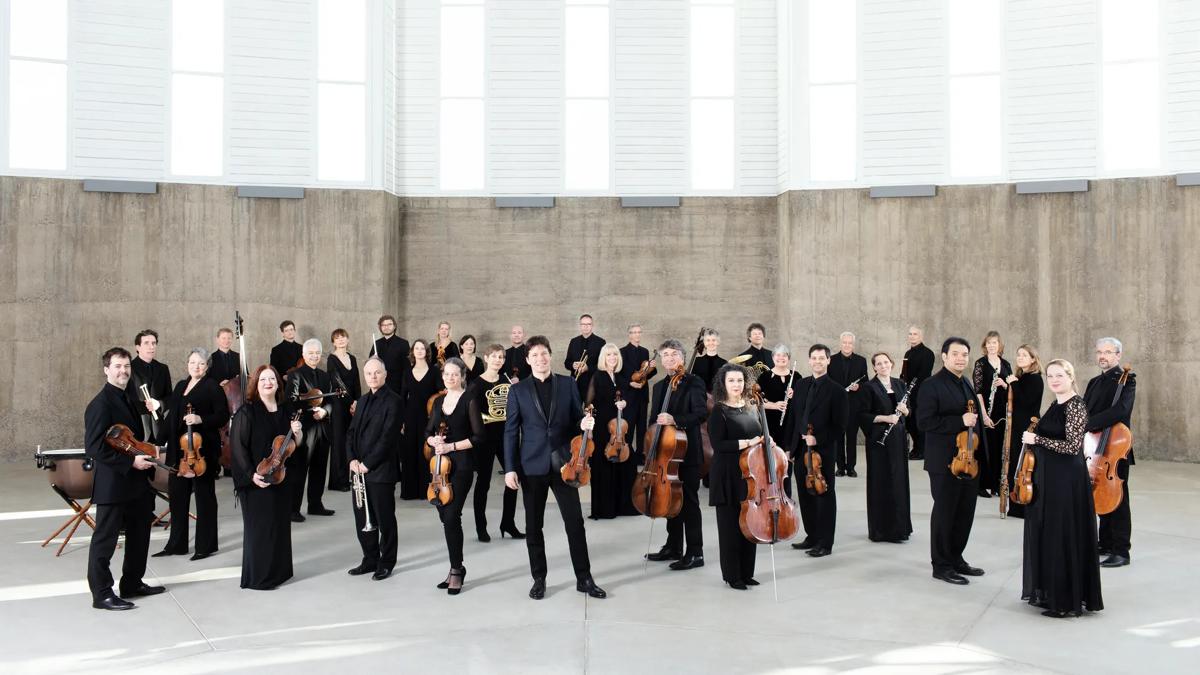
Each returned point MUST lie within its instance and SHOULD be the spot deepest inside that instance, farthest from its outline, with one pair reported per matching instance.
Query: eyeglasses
(1105, 352)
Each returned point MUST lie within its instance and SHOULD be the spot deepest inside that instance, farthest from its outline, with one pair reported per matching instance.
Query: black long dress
(208, 401)
(727, 488)
(339, 464)
(990, 449)
(889, 516)
(266, 512)
(1027, 401)
(463, 423)
(612, 483)
(1061, 567)
(705, 367)
(492, 398)
(414, 469)
(774, 387)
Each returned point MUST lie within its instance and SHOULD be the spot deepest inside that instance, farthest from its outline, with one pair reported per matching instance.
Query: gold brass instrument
(359, 484)
(579, 369)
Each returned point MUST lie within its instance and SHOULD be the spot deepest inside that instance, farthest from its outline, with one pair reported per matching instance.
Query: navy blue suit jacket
(531, 434)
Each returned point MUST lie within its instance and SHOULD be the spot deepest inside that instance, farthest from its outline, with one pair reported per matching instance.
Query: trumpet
(359, 485)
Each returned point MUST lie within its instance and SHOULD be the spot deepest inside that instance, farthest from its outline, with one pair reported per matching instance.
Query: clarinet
(903, 401)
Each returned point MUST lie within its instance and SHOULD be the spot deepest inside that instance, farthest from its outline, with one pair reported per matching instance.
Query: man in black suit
(224, 364)
(372, 444)
(544, 412)
(686, 411)
(850, 371)
(821, 403)
(942, 408)
(760, 357)
(288, 352)
(121, 491)
(917, 366)
(311, 459)
(516, 363)
(147, 370)
(632, 357)
(1116, 528)
(583, 355)
(393, 351)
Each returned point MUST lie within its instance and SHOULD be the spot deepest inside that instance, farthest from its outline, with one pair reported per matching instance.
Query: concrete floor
(867, 608)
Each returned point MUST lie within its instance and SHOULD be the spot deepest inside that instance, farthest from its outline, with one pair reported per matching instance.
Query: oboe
(903, 401)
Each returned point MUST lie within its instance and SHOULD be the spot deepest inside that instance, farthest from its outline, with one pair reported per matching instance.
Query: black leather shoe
(588, 586)
(483, 536)
(166, 552)
(1115, 560)
(199, 556)
(852, 473)
(968, 571)
(840, 472)
(538, 590)
(113, 603)
(1054, 614)
(818, 552)
(664, 553)
(361, 570)
(804, 545)
(916, 455)
(340, 488)
(1101, 552)
(688, 562)
(950, 577)
(985, 494)
(737, 585)
(382, 573)
(512, 531)
(750, 582)
(320, 511)
(297, 518)
(142, 589)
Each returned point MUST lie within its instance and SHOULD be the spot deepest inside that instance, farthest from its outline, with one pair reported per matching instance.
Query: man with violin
(633, 355)
(286, 354)
(583, 354)
(944, 419)
(1103, 412)
(687, 411)
(542, 413)
(373, 446)
(121, 491)
(818, 421)
(309, 382)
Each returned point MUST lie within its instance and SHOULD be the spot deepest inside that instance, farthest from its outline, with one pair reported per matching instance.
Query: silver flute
(359, 484)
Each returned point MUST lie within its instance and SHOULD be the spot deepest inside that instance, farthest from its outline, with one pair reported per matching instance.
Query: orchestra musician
(474, 364)
(888, 506)
(612, 482)
(156, 377)
(421, 382)
(443, 347)
(393, 350)
(990, 375)
(633, 355)
(850, 370)
(778, 387)
(343, 374)
(1116, 528)
(760, 356)
(311, 458)
(706, 365)
(224, 364)
(733, 426)
(372, 446)
(1027, 388)
(287, 354)
(490, 390)
(583, 355)
(914, 370)
(516, 365)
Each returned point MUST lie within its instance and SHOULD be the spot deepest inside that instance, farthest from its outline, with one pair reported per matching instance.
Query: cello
(768, 515)
(1022, 489)
(235, 391)
(1103, 450)
(577, 471)
(617, 449)
(657, 489)
(189, 448)
(964, 463)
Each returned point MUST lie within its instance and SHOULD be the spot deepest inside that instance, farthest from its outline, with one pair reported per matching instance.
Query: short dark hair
(672, 343)
(463, 340)
(759, 326)
(224, 330)
(538, 341)
(285, 323)
(338, 332)
(818, 348)
(385, 317)
(137, 339)
(950, 341)
(107, 357)
(585, 316)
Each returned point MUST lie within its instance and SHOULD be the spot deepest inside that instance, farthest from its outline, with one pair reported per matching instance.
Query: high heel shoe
(459, 575)
(512, 531)
(446, 584)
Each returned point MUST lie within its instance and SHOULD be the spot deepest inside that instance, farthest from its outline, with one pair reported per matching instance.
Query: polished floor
(867, 608)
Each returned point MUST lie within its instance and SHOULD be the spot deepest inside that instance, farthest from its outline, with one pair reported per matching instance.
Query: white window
(197, 88)
(342, 90)
(713, 61)
(833, 90)
(1131, 138)
(37, 85)
(586, 67)
(462, 91)
(976, 116)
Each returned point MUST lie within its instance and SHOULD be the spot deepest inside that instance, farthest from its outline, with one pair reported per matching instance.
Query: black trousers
(1116, 528)
(910, 426)
(485, 457)
(688, 525)
(451, 514)
(378, 547)
(339, 463)
(990, 456)
(536, 489)
(951, 519)
(818, 513)
(637, 403)
(737, 552)
(179, 492)
(134, 517)
(847, 447)
(309, 464)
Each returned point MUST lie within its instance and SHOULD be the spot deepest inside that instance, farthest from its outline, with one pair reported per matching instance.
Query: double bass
(617, 449)
(768, 515)
(577, 470)
(1103, 450)
(657, 489)
(964, 464)
(235, 391)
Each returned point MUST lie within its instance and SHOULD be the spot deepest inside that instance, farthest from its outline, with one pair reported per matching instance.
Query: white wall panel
(757, 115)
(1182, 79)
(416, 84)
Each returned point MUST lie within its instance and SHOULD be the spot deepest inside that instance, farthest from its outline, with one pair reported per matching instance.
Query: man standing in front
(1105, 410)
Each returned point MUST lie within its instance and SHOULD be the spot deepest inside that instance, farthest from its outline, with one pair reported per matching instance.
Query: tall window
(832, 90)
(712, 120)
(1130, 100)
(342, 90)
(976, 59)
(197, 87)
(462, 83)
(586, 108)
(37, 94)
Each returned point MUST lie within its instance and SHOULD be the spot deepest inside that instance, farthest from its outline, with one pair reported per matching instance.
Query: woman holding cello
(266, 503)
(733, 426)
(612, 479)
(1061, 567)
(198, 413)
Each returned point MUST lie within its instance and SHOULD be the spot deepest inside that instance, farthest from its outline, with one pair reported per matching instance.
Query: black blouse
(209, 402)
(448, 352)
(464, 423)
(982, 378)
(706, 367)
(726, 428)
(253, 430)
(1062, 426)
(475, 370)
(341, 376)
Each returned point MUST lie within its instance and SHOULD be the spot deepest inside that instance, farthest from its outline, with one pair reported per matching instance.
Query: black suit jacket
(224, 365)
(689, 407)
(847, 369)
(631, 359)
(393, 352)
(827, 412)
(285, 355)
(1102, 412)
(517, 357)
(298, 383)
(115, 479)
(157, 378)
(917, 365)
(374, 435)
(532, 434)
(941, 403)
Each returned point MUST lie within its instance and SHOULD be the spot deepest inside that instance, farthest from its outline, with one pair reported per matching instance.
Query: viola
(430, 402)
(439, 490)
(577, 471)
(657, 489)
(314, 397)
(964, 464)
(617, 449)
(1022, 489)
(643, 372)
(814, 480)
(272, 468)
(120, 438)
(1103, 450)
(442, 429)
(768, 515)
(189, 446)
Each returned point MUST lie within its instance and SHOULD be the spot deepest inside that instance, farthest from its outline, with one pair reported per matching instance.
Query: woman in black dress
(612, 482)
(209, 413)
(1061, 567)
(707, 364)
(1027, 389)
(888, 511)
(343, 372)
(733, 426)
(988, 377)
(490, 391)
(475, 365)
(464, 430)
(775, 388)
(266, 508)
(421, 382)
(442, 348)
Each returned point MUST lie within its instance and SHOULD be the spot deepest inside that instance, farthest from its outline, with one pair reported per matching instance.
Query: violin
(442, 429)
(617, 449)
(314, 397)
(768, 515)
(1103, 450)
(1022, 489)
(120, 438)
(439, 490)
(643, 372)
(272, 468)
(964, 464)
(657, 490)
(441, 356)
(189, 445)
(814, 480)
(577, 471)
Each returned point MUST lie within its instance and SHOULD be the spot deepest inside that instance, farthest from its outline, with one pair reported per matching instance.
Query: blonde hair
(1068, 369)
(999, 343)
(610, 347)
(1035, 367)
